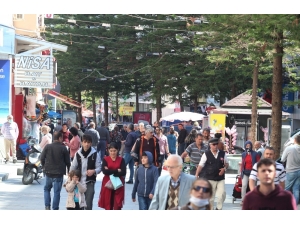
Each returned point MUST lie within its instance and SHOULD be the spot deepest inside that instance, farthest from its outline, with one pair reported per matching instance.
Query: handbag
(109, 185)
(116, 182)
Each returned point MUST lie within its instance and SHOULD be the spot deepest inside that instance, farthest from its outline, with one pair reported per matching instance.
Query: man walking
(55, 159)
(181, 138)
(10, 132)
(80, 132)
(94, 134)
(104, 140)
(173, 189)
(269, 153)
(129, 142)
(268, 195)
(215, 163)
(87, 160)
(291, 156)
(258, 148)
(195, 152)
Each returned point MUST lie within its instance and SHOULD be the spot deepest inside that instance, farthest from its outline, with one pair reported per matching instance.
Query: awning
(29, 45)
(247, 111)
(64, 98)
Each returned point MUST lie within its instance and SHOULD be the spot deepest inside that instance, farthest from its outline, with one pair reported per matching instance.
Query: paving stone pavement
(16, 196)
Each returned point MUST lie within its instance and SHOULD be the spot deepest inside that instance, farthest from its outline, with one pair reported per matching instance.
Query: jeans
(292, 184)
(129, 160)
(181, 148)
(102, 148)
(144, 202)
(56, 183)
(89, 195)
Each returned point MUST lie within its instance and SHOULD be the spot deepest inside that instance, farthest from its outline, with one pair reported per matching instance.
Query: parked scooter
(32, 169)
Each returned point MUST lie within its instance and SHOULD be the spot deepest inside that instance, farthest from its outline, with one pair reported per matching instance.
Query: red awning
(64, 98)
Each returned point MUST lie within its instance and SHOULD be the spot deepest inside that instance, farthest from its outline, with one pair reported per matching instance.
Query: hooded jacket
(146, 179)
(254, 156)
(278, 199)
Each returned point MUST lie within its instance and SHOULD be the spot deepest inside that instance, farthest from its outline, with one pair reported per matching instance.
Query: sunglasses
(204, 189)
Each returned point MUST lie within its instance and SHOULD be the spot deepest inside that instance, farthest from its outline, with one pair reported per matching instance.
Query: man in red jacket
(268, 195)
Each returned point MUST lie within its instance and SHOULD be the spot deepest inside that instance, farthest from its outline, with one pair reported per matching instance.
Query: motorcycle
(32, 169)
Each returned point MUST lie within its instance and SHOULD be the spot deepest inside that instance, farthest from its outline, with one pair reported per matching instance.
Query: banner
(217, 123)
(142, 116)
(34, 71)
(5, 90)
(126, 110)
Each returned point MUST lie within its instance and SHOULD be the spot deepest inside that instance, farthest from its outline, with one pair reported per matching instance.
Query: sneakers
(15, 161)
(129, 182)
(6, 161)
(47, 208)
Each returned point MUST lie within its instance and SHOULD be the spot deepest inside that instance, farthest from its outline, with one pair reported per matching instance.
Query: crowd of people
(147, 150)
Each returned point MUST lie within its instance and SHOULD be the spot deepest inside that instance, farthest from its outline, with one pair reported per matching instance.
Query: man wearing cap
(10, 132)
(215, 163)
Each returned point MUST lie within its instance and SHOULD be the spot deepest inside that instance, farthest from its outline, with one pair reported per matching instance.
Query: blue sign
(7, 40)
(289, 96)
(5, 89)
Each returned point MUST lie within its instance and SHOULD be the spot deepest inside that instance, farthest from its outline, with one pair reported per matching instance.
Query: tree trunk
(253, 129)
(136, 89)
(79, 109)
(158, 108)
(277, 95)
(106, 107)
(233, 90)
(117, 106)
(94, 108)
(180, 101)
(195, 104)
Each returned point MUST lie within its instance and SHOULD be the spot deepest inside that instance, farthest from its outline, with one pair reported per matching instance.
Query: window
(18, 16)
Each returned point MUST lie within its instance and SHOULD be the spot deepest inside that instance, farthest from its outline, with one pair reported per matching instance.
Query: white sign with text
(35, 71)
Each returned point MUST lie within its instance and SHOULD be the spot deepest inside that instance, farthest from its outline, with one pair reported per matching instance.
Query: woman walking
(74, 144)
(113, 164)
(47, 137)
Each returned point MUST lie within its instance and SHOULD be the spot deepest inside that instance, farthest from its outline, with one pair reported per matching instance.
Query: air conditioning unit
(18, 17)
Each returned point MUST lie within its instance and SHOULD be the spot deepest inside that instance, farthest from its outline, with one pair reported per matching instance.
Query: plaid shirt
(175, 183)
(10, 131)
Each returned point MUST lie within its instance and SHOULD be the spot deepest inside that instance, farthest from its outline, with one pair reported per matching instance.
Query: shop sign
(34, 71)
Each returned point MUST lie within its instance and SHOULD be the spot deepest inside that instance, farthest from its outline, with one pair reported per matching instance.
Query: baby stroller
(237, 189)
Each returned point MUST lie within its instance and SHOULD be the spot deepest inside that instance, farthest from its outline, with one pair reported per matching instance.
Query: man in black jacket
(55, 159)
(182, 135)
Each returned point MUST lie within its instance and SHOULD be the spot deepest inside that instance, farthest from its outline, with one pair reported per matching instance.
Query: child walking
(145, 181)
(76, 190)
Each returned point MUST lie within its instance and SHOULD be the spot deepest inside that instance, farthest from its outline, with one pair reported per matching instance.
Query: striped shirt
(10, 130)
(195, 153)
(280, 173)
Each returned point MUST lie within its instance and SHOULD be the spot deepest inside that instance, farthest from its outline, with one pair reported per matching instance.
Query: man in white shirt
(10, 132)
(215, 163)
(280, 171)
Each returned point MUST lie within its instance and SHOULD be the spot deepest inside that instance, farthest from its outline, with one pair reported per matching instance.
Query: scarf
(86, 153)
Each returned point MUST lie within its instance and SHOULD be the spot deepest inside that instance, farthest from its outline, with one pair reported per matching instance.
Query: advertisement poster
(5, 90)
(142, 117)
(69, 117)
(217, 123)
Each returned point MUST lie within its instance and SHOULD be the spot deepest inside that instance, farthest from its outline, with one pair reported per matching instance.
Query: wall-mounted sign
(34, 71)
